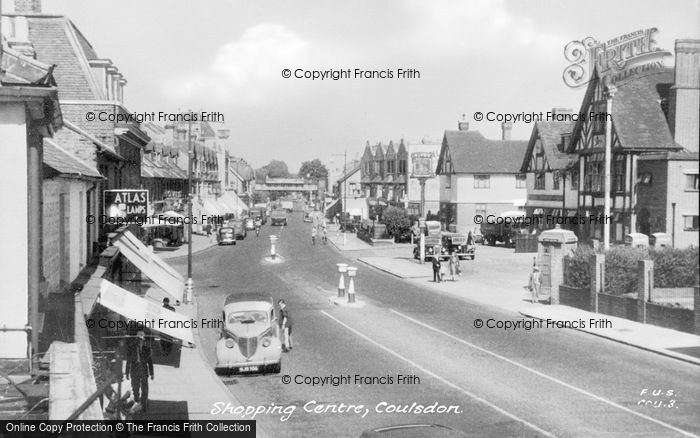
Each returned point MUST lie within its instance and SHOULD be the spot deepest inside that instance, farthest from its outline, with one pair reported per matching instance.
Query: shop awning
(232, 203)
(151, 265)
(169, 218)
(150, 313)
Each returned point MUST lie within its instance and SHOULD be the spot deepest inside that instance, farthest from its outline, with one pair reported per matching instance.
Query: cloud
(244, 71)
(473, 26)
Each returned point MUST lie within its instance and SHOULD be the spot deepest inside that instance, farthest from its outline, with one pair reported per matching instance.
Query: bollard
(342, 268)
(188, 290)
(273, 251)
(352, 271)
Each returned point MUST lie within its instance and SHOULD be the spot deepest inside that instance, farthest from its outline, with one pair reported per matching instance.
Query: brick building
(384, 172)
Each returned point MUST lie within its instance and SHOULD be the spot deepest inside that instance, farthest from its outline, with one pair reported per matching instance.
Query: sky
(472, 55)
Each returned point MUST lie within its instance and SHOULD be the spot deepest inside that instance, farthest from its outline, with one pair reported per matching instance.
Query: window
(391, 166)
(482, 181)
(574, 179)
(555, 180)
(539, 181)
(618, 174)
(480, 210)
(691, 222)
(691, 181)
(402, 167)
(521, 181)
(448, 181)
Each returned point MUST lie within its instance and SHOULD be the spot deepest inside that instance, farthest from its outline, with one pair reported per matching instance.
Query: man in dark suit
(139, 366)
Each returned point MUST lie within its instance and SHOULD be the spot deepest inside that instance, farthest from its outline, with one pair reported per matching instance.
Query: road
(492, 382)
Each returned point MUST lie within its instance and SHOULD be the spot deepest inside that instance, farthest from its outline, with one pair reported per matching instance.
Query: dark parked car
(238, 228)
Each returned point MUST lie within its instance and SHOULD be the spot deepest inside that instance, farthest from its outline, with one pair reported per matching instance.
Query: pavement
(667, 342)
(199, 243)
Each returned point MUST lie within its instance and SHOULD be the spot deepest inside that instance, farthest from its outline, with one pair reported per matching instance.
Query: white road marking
(545, 376)
(442, 379)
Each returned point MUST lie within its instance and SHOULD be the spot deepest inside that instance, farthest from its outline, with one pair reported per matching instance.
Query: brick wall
(622, 307)
(670, 317)
(575, 297)
(652, 197)
(51, 252)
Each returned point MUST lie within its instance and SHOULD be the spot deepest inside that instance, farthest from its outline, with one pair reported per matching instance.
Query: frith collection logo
(615, 59)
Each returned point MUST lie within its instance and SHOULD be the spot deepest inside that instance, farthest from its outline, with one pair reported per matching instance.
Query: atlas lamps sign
(130, 206)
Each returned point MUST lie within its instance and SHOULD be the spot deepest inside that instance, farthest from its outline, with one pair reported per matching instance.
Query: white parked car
(250, 339)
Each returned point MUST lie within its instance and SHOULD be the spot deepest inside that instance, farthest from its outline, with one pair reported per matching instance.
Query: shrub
(621, 273)
(676, 267)
(396, 221)
(576, 271)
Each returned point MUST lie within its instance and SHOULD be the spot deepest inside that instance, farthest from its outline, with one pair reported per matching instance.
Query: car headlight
(430, 250)
(266, 342)
(230, 343)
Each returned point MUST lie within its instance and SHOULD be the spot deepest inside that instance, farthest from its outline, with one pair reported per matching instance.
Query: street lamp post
(609, 94)
(188, 287)
(345, 193)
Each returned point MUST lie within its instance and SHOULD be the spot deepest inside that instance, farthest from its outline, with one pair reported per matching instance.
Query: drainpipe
(673, 224)
(34, 177)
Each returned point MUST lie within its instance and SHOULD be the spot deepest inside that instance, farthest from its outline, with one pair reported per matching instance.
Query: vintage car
(457, 243)
(249, 223)
(250, 338)
(226, 236)
(278, 217)
(433, 246)
(308, 216)
(238, 228)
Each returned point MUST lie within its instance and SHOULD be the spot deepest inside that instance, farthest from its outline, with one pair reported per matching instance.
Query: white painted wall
(14, 265)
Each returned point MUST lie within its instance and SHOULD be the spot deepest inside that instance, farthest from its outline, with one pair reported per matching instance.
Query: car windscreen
(247, 317)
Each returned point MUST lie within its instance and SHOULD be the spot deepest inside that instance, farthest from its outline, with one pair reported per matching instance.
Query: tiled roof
(637, 116)
(638, 119)
(471, 152)
(56, 41)
(683, 155)
(550, 134)
(66, 163)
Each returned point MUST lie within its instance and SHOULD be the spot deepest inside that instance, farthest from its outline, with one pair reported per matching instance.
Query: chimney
(223, 133)
(463, 125)
(507, 127)
(558, 111)
(684, 117)
(27, 7)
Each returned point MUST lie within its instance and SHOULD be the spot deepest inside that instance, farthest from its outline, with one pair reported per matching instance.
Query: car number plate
(249, 369)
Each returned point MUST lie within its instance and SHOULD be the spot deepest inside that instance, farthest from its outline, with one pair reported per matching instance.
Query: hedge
(672, 268)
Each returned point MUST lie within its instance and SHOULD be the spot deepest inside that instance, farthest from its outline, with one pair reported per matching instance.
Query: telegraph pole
(609, 94)
(188, 287)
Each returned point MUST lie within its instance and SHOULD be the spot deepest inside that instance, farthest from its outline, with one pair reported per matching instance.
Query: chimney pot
(507, 127)
(27, 6)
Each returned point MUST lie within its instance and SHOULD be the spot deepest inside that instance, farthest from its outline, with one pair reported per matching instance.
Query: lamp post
(189, 285)
(345, 193)
(609, 94)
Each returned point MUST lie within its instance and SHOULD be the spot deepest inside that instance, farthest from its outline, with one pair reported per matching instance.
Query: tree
(315, 169)
(397, 221)
(273, 169)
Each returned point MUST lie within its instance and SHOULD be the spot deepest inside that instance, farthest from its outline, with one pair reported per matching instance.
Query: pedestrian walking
(139, 366)
(165, 345)
(458, 266)
(453, 261)
(314, 231)
(208, 231)
(285, 326)
(535, 284)
(436, 269)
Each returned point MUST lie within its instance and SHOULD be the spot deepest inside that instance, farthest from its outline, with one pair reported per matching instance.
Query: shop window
(480, 210)
(482, 181)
